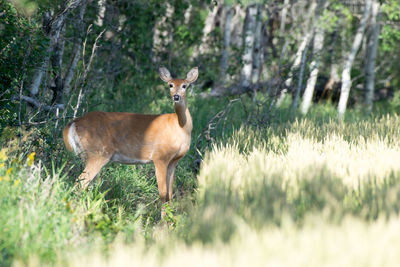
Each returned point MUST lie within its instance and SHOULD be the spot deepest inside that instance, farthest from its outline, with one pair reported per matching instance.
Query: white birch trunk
(314, 66)
(102, 10)
(188, 14)
(53, 27)
(227, 42)
(237, 27)
(258, 53)
(162, 36)
(371, 56)
(283, 16)
(295, 66)
(300, 80)
(346, 76)
(306, 39)
(39, 72)
(76, 52)
(248, 45)
(38, 76)
(209, 26)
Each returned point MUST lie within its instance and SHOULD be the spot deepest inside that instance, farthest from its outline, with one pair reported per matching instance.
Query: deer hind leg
(92, 168)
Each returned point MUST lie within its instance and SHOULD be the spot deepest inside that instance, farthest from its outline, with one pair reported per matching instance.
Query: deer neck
(183, 114)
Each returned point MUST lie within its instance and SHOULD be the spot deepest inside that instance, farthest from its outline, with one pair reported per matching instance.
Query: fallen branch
(238, 89)
(38, 104)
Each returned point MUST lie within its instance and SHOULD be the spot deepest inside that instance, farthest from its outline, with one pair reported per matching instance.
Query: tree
(249, 29)
(54, 28)
(371, 55)
(227, 43)
(308, 33)
(314, 66)
(346, 77)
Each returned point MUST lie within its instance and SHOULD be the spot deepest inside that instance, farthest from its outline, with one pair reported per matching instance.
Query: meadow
(295, 148)
(304, 191)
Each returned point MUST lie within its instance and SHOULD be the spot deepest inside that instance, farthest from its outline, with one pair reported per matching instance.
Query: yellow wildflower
(3, 155)
(31, 158)
(16, 182)
(9, 171)
(2, 165)
(1, 178)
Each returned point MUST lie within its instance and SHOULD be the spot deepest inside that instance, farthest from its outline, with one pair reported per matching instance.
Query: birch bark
(306, 39)
(77, 49)
(209, 26)
(52, 27)
(314, 66)
(162, 36)
(371, 56)
(248, 45)
(346, 77)
(227, 42)
(258, 53)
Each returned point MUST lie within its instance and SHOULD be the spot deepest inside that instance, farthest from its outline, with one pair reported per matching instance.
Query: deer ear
(164, 74)
(192, 75)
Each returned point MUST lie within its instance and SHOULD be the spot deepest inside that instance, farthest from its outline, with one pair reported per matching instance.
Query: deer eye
(184, 86)
(171, 85)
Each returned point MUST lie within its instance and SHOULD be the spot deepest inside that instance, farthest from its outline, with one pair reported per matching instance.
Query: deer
(129, 138)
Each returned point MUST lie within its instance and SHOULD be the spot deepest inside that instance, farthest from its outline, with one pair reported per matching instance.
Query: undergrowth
(252, 179)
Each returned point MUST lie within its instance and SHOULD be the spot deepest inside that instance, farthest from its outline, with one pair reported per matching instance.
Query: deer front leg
(171, 178)
(161, 174)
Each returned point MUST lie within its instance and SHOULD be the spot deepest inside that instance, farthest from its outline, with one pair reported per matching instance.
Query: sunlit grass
(319, 243)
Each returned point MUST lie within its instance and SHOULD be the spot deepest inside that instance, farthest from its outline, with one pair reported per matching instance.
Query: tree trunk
(285, 8)
(249, 28)
(258, 53)
(314, 66)
(52, 28)
(371, 56)
(38, 75)
(77, 49)
(346, 77)
(227, 42)
(295, 102)
(162, 36)
(102, 10)
(56, 64)
(237, 27)
(333, 65)
(295, 66)
(209, 26)
(188, 14)
(306, 39)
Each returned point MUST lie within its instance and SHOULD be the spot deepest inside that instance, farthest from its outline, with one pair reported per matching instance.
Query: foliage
(21, 46)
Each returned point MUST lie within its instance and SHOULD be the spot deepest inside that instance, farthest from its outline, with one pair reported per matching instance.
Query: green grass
(283, 193)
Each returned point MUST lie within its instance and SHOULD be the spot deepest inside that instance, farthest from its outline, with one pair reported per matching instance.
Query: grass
(306, 191)
(352, 243)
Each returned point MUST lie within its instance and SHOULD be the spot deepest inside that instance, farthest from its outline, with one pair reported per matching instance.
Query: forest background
(295, 145)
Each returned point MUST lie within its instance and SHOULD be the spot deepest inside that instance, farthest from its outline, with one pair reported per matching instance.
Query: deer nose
(177, 98)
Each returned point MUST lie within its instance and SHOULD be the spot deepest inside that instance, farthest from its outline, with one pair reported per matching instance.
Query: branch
(36, 103)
